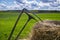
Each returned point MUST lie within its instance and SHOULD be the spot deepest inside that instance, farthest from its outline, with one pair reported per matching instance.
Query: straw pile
(46, 30)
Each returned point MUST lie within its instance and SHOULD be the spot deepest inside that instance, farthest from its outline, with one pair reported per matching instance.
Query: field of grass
(7, 21)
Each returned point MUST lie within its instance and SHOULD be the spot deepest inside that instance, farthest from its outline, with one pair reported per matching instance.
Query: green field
(7, 21)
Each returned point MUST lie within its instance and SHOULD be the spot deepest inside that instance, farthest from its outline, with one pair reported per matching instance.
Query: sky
(30, 4)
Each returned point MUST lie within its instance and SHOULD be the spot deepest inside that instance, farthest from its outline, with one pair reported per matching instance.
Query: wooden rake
(29, 18)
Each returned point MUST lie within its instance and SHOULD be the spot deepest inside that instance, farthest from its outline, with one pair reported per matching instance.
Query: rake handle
(9, 38)
(22, 29)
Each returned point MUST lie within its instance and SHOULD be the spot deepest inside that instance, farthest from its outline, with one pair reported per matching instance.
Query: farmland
(8, 19)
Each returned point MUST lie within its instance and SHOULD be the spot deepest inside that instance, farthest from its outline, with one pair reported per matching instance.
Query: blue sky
(30, 4)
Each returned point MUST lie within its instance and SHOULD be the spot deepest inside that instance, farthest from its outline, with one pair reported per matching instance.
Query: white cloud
(39, 4)
(58, 8)
(58, 1)
(44, 4)
(32, 5)
(14, 6)
(2, 4)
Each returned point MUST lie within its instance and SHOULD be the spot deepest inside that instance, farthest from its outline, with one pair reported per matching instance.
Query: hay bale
(46, 30)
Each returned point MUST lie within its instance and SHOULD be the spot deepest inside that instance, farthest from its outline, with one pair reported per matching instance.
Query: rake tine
(29, 18)
(38, 17)
(9, 38)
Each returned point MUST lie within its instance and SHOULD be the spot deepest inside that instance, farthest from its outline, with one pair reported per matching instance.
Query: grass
(7, 21)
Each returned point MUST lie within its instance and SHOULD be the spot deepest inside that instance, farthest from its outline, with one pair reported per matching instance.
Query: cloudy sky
(30, 4)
